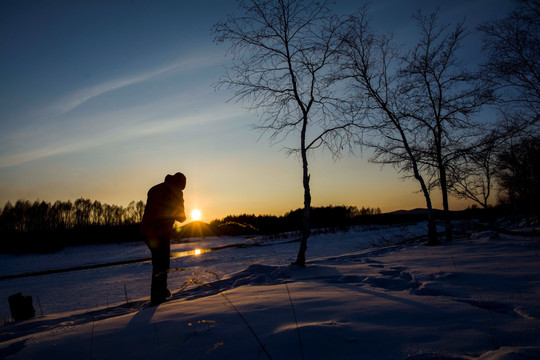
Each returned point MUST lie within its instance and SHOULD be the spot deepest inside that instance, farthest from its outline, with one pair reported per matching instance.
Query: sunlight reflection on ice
(189, 253)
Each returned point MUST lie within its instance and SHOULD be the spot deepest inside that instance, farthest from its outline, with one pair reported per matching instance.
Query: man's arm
(178, 211)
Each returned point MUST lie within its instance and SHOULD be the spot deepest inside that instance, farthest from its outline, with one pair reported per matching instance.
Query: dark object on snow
(21, 307)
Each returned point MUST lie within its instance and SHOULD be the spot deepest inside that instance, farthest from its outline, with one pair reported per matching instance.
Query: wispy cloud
(59, 130)
(81, 96)
(121, 133)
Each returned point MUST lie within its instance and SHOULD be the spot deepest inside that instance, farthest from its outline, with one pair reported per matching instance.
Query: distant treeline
(40, 226)
(41, 215)
(328, 216)
(43, 227)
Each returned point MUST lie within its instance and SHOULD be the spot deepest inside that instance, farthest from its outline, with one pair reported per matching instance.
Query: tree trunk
(444, 190)
(306, 225)
(432, 228)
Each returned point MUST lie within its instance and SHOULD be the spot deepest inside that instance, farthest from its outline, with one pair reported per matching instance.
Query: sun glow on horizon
(196, 214)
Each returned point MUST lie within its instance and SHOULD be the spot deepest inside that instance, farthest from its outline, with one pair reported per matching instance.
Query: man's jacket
(164, 205)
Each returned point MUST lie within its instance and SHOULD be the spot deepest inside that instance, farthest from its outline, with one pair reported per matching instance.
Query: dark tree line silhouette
(321, 217)
(25, 216)
(42, 227)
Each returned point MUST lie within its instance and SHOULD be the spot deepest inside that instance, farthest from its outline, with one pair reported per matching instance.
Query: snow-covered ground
(474, 298)
(77, 290)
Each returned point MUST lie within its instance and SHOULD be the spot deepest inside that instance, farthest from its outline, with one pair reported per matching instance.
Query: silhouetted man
(164, 205)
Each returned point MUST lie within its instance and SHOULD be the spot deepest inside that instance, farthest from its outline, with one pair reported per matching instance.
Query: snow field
(475, 298)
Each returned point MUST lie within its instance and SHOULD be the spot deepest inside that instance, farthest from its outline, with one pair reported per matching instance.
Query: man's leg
(160, 268)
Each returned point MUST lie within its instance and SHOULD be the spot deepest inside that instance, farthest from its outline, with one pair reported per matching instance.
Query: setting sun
(196, 215)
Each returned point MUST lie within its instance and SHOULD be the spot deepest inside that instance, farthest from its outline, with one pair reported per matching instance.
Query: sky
(101, 99)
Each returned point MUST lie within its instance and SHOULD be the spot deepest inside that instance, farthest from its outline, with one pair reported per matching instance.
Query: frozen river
(64, 291)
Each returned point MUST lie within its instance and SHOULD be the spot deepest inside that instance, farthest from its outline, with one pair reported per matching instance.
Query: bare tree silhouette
(284, 62)
(370, 62)
(512, 47)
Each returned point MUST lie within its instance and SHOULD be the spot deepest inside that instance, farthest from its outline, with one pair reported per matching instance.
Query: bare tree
(283, 63)
(472, 174)
(83, 209)
(370, 62)
(518, 173)
(422, 102)
(512, 46)
(97, 213)
(442, 96)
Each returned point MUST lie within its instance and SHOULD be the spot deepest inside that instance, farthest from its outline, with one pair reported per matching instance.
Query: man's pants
(160, 247)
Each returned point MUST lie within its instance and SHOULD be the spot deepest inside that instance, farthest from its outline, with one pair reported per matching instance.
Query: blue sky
(101, 99)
